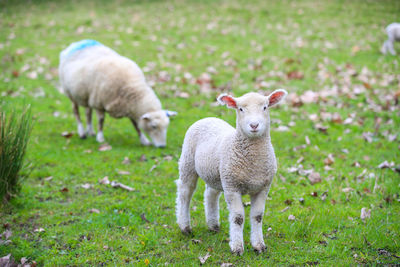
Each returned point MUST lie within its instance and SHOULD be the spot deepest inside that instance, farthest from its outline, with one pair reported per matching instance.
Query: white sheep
(236, 161)
(96, 77)
(393, 32)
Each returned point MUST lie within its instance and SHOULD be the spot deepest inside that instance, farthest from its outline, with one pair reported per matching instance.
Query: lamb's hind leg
(89, 124)
(256, 216)
(81, 130)
(211, 204)
(186, 185)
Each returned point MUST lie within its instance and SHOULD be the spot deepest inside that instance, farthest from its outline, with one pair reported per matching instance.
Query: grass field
(341, 120)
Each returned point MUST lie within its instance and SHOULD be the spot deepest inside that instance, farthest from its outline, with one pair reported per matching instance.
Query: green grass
(189, 37)
(14, 135)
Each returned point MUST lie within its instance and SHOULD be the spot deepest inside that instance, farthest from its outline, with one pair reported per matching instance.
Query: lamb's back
(204, 139)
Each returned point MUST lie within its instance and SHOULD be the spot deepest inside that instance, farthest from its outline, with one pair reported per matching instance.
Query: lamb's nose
(254, 125)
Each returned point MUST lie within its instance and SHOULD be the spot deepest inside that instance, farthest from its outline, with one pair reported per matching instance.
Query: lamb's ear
(227, 100)
(145, 117)
(276, 96)
(170, 113)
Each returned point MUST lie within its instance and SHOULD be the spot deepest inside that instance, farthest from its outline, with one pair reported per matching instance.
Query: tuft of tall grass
(14, 135)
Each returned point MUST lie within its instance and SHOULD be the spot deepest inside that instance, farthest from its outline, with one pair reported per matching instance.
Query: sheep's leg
(186, 185)
(236, 221)
(211, 205)
(89, 125)
(143, 139)
(256, 216)
(81, 130)
(390, 46)
(100, 117)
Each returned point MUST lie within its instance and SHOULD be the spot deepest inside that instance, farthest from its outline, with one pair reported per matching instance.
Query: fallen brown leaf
(204, 258)
(365, 214)
(105, 147)
(67, 134)
(314, 178)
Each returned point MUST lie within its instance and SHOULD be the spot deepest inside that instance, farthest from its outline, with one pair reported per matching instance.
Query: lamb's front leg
(256, 216)
(236, 221)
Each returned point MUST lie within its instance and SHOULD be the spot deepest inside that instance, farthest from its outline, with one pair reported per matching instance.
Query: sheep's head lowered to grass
(155, 125)
(252, 111)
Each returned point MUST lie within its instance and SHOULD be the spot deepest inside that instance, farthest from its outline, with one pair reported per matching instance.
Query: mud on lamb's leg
(81, 131)
(211, 205)
(236, 221)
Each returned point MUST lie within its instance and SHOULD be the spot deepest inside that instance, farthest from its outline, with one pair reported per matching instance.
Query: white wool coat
(100, 78)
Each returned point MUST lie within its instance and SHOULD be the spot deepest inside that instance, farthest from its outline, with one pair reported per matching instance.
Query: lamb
(236, 161)
(393, 32)
(96, 77)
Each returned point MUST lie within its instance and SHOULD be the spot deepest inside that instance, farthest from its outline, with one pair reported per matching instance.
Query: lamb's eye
(265, 107)
(240, 109)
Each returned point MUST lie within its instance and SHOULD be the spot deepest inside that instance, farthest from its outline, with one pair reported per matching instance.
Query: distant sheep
(236, 161)
(96, 77)
(393, 32)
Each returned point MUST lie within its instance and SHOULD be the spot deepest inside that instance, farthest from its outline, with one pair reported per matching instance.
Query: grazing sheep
(96, 77)
(393, 32)
(236, 161)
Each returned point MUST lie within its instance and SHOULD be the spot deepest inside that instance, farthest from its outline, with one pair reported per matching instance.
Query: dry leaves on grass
(314, 178)
(121, 172)
(94, 211)
(204, 258)
(105, 147)
(115, 184)
(4, 237)
(126, 161)
(119, 185)
(365, 214)
(67, 134)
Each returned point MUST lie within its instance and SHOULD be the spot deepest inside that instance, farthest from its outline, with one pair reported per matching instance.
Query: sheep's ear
(227, 100)
(276, 96)
(170, 113)
(146, 117)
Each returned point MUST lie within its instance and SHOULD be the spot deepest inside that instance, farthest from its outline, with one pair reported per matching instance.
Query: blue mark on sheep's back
(74, 47)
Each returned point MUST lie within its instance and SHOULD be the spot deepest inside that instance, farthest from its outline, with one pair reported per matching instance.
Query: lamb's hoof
(260, 248)
(83, 136)
(187, 230)
(214, 228)
(237, 251)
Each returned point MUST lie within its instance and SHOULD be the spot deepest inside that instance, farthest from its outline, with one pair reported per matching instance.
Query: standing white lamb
(236, 161)
(96, 77)
(393, 32)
